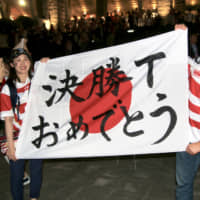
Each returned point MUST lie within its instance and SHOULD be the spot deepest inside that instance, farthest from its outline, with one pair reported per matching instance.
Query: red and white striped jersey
(6, 109)
(194, 100)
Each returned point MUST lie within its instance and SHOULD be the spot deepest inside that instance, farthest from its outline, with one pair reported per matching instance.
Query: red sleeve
(5, 102)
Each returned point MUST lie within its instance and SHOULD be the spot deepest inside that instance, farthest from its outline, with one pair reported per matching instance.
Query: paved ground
(148, 177)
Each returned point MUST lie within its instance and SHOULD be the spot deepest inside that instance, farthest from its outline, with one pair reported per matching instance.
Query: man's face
(22, 64)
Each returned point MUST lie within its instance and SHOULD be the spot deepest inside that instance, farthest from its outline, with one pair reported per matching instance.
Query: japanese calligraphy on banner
(122, 100)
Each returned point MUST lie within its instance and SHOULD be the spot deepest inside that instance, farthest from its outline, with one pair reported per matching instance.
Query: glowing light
(72, 18)
(47, 24)
(130, 31)
(154, 14)
(12, 18)
(84, 10)
(134, 6)
(22, 2)
(193, 2)
(154, 6)
(173, 3)
(163, 8)
(163, 11)
(79, 17)
(118, 9)
(103, 18)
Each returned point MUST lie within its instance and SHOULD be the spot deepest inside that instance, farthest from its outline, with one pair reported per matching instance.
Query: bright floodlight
(22, 2)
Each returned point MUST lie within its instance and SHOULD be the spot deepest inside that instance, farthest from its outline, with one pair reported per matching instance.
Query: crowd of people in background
(84, 34)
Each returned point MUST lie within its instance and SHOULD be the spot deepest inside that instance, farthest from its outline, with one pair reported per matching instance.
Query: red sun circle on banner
(95, 105)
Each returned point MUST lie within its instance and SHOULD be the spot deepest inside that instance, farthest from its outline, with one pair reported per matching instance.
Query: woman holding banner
(4, 74)
(13, 99)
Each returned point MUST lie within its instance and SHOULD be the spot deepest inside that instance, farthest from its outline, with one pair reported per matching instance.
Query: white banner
(123, 100)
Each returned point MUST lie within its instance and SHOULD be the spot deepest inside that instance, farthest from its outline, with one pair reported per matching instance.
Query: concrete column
(53, 12)
(61, 9)
(163, 7)
(5, 6)
(68, 8)
(140, 4)
(101, 7)
(33, 7)
(1, 11)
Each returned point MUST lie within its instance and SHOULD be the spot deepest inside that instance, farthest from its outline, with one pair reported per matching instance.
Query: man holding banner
(188, 162)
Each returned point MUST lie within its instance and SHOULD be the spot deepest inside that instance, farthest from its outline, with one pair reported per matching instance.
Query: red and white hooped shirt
(194, 100)
(6, 109)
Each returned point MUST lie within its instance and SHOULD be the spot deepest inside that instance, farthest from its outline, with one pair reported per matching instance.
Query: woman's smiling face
(22, 64)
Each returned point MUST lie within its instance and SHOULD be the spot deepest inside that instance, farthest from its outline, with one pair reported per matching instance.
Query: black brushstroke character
(69, 82)
(75, 127)
(129, 119)
(173, 119)
(38, 141)
(149, 60)
(106, 115)
(113, 78)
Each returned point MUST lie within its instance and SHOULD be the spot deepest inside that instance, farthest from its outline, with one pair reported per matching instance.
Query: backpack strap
(13, 93)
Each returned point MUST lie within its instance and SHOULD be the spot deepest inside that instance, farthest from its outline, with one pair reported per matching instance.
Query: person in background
(188, 162)
(194, 51)
(4, 72)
